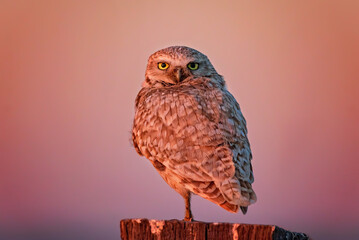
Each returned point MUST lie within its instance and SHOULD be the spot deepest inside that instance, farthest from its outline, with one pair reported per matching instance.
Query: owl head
(177, 65)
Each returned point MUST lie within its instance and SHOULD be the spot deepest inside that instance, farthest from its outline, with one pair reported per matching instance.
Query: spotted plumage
(192, 130)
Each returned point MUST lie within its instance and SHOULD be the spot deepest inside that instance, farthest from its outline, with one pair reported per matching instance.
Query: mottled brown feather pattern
(194, 134)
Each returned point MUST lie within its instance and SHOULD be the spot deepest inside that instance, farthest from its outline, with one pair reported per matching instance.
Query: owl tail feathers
(230, 207)
(244, 210)
(236, 197)
(234, 208)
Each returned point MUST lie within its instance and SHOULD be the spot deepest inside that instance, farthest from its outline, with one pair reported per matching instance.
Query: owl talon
(188, 219)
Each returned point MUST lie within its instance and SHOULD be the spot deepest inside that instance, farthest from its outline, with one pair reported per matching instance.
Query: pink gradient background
(70, 71)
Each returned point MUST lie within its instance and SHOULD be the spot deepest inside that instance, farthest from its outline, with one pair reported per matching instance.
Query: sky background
(69, 74)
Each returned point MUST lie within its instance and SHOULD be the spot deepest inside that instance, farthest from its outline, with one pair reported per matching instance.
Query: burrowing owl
(192, 130)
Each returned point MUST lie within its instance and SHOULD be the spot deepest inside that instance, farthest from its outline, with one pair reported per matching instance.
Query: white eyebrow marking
(173, 61)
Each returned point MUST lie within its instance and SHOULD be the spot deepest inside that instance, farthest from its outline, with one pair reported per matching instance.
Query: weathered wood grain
(143, 229)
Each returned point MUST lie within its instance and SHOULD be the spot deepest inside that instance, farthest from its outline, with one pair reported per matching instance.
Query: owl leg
(188, 215)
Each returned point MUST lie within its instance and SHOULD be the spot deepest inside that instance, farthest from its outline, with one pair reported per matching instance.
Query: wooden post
(133, 229)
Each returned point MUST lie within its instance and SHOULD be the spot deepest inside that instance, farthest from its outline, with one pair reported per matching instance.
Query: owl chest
(171, 120)
(179, 109)
(170, 112)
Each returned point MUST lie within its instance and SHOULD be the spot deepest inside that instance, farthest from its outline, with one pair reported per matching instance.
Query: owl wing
(235, 133)
(198, 133)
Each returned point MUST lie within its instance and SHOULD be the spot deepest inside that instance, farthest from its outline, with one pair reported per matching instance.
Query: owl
(190, 127)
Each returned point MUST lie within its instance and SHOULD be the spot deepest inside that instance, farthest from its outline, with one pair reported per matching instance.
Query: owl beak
(179, 74)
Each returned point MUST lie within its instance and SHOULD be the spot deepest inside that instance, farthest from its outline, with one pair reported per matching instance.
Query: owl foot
(188, 219)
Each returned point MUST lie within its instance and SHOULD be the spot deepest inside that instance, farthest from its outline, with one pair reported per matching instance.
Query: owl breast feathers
(195, 136)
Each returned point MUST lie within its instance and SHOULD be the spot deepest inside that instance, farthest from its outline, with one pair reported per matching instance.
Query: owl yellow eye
(163, 65)
(193, 66)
